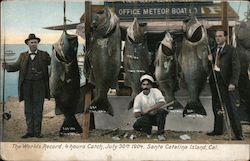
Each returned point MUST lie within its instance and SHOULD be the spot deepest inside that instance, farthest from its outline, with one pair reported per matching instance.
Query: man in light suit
(33, 84)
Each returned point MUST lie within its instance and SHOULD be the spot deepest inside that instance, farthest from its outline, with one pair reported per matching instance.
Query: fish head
(136, 31)
(242, 33)
(104, 21)
(65, 49)
(194, 29)
(167, 44)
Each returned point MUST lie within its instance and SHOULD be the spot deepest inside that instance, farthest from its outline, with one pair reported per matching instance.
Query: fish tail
(102, 105)
(131, 104)
(175, 106)
(70, 125)
(194, 107)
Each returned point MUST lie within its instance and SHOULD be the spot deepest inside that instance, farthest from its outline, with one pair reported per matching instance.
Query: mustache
(145, 89)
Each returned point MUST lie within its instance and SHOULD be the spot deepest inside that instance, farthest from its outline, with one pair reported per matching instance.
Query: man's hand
(146, 111)
(210, 57)
(231, 87)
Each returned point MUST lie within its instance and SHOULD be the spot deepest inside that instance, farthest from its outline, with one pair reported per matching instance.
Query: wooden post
(2, 105)
(88, 94)
(224, 19)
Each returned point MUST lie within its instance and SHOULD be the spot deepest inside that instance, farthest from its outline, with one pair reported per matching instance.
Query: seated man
(147, 108)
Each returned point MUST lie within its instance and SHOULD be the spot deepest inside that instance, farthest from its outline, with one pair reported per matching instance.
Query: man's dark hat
(32, 36)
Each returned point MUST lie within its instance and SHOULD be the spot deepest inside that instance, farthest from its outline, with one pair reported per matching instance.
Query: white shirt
(216, 68)
(143, 102)
(32, 56)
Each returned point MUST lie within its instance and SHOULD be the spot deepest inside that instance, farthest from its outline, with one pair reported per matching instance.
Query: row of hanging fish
(176, 58)
(103, 61)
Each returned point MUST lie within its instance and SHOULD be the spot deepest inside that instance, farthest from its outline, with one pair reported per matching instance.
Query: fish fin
(70, 125)
(131, 104)
(102, 105)
(62, 77)
(175, 106)
(57, 108)
(194, 107)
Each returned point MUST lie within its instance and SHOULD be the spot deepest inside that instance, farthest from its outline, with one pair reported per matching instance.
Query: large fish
(103, 59)
(242, 32)
(166, 70)
(65, 81)
(136, 57)
(194, 64)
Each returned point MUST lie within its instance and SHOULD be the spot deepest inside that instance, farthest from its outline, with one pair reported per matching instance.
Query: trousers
(145, 123)
(229, 100)
(34, 94)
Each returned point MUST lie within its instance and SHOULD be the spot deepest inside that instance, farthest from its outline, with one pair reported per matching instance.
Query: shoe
(238, 138)
(213, 133)
(38, 135)
(161, 138)
(27, 135)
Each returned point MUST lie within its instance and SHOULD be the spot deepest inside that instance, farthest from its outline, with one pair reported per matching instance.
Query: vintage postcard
(125, 80)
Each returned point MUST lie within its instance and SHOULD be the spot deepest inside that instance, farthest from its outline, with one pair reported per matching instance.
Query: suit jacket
(21, 66)
(229, 65)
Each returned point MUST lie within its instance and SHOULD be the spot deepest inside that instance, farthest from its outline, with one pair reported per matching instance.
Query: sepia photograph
(125, 80)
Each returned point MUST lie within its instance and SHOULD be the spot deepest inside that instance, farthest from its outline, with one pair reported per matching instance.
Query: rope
(64, 15)
(239, 7)
(3, 90)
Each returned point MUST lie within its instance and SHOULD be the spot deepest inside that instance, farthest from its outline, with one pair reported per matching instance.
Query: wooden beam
(88, 17)
(88, 94)
(224, 18)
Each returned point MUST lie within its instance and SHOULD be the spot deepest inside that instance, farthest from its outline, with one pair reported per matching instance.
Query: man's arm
(13, 67)
(137, 107)
(48, 59)
(154, 107)
(235, 70)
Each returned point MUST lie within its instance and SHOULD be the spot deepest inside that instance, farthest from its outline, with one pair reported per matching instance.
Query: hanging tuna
(103, 59)
(194, 64)
(136, 57)
(166, 70)
(65, 81)
(242, 32)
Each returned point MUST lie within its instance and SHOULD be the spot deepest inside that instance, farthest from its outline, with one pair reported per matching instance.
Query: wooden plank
(224, 18)
(86, 116)
(88, 94)
(88, 23)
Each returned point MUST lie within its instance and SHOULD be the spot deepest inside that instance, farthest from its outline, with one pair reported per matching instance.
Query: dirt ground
(15, 127)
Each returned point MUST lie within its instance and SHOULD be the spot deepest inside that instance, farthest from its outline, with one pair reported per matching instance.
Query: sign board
(126, 11)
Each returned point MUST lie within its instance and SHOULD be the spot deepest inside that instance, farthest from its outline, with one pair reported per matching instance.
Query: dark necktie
(32, 53)
(217, 57)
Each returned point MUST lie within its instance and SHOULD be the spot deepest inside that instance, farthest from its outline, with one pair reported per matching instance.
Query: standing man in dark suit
(33, 84)
(226, 66)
